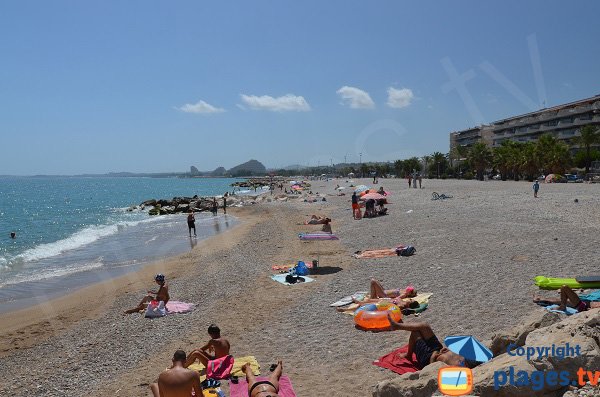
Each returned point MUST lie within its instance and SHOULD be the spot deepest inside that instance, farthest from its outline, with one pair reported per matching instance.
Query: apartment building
(562, 121)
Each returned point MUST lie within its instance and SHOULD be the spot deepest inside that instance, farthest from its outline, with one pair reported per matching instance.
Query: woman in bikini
(161, 295)
(263, 388)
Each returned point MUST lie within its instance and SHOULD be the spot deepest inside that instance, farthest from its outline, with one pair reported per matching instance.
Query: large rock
(414, 384)
(538, 319)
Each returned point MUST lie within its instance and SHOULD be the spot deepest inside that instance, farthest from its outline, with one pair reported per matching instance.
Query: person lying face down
(177, 381)
(263, 388)
(427, 347)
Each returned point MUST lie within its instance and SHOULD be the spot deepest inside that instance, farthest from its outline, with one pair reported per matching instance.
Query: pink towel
(219, 368)
(240, 389)
(179, 307)
(397, 364)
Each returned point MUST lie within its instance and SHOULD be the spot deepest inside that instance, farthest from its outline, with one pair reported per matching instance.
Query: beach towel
(377, 253)
(317, 236)
(175, 307)
(219, 368)
(280, 278)
(236, 370)
(568, 311)
(398, 365)
(240, 389)
(346, 300)
(592, 297)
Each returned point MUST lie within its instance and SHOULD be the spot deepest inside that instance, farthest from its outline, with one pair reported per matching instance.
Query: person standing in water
(13, 235)
(191, 221)
(215, 206)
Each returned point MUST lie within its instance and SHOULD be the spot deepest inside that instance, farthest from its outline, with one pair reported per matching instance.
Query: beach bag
(301, 269)
(155, 309)
(219, 368)
(406, 251)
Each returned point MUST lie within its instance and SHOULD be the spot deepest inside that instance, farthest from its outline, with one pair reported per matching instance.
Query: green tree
(554, 156)
(480, 158)
(590, 135)
(439, 160)
(399, 168)
(426, 162)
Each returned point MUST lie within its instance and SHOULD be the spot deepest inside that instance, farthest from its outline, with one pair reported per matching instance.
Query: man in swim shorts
(263, 388)
(568, 297)
(426, 346)
(355, 207)
(218, 345)
(191, 221)
(177, 381)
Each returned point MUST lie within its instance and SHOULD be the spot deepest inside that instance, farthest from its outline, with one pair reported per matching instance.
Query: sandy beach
(477, 253)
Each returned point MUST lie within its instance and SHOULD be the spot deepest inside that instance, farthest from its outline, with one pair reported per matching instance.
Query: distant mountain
(293, 167)
(252, 167)
(220, 171)
(194, 171)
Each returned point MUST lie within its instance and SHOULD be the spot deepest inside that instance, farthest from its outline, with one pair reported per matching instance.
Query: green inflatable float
(556, 283)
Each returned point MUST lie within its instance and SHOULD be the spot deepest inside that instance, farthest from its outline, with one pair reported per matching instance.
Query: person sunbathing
(327, 226)
(177, 381)
(426, 346)
(218, 345)
(568, 297)
(317, 220)
(377, 291)
(263, 388)
(161, 295)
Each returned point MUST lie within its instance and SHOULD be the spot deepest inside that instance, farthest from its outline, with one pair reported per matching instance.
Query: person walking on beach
(177, 381)
(420, 180)
(214, 206)
(225, 204)
(217, 344)
(355, 207)
(191, 221)
(409, 180)
(536, 187)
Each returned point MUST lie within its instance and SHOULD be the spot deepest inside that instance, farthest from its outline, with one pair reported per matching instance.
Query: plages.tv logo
(455, 381)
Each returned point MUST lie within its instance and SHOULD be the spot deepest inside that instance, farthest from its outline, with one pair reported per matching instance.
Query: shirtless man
(219, 346)
(263, 388)
(427, 347)
(568, 297)
(177, 381)
(161, 295)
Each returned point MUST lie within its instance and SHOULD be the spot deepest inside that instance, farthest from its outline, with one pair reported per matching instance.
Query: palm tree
(553, 155)
(480, 157)
(438, 159)
(529, 161)
(459, 152)
(398, 167)
(426, 161)
(590, 135)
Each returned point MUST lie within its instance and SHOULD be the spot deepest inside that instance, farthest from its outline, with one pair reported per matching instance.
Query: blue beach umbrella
(361, 188)
(468, 347)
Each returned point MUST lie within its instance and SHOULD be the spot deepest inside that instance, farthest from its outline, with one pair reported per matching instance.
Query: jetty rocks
(184, 204)
(540, 329)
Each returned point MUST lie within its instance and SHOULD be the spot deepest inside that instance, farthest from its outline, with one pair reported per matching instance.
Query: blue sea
(75, 231)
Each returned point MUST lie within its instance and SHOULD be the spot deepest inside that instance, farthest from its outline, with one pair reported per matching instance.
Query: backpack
(406, 251)
(301, 269)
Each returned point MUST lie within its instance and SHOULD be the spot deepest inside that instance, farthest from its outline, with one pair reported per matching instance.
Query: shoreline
(23, 324)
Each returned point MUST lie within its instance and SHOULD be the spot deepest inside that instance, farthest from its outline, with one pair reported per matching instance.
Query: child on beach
(177, 381)
(536, 187)
(161, 295)
(427, 347)
(355, 207)
(217, 344)
(191, 221)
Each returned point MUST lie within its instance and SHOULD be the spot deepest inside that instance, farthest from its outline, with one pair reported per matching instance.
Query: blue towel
(592, 297)
(554, 308)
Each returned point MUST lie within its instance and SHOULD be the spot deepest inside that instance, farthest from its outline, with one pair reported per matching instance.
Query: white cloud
(284, 103)
(356, 98)
(200, 107)
(399, 98)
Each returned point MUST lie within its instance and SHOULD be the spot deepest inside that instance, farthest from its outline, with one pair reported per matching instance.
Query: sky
(149, 86)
